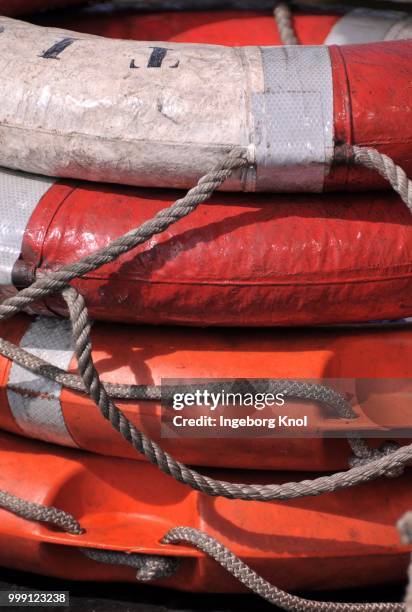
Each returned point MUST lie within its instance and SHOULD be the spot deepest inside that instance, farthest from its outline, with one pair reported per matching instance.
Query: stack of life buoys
(294, 288)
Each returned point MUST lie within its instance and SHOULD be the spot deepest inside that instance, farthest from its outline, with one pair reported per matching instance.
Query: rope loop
(258, 585)
(37, 512)
(149, 567)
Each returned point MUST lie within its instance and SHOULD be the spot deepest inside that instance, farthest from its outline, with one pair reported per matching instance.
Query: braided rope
(149, 567)
(386, 167)
(259, 585)
(284, 20)
(38, 512)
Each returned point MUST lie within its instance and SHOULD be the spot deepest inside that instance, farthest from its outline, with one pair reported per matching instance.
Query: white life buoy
(161, 114)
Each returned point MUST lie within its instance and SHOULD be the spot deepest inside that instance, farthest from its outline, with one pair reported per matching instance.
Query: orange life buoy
(36, 407)
(343, 539)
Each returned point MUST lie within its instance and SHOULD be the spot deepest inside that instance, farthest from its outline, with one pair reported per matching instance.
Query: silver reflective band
(19, 195)
(294, 119)
(35, 401)
(366, 26)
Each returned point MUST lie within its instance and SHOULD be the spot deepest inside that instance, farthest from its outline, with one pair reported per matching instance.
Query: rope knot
(372, 454)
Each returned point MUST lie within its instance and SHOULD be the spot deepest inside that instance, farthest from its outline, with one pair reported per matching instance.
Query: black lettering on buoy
(57, 49)
(156, 59)
(157, 56)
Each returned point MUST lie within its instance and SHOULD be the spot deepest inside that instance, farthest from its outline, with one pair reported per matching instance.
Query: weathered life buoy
(20, 7)
(363, 362)
(162, 115)
(343, 539)
(238, 260)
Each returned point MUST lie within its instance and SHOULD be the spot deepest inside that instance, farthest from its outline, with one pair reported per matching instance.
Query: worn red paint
(372, 108)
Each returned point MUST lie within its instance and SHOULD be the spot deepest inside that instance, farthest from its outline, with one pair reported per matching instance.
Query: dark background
(108, 597)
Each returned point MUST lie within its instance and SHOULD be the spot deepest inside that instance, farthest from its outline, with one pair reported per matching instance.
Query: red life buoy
(344, 539)
(234, 27)
(372, 366)
(238, 260)
(156, 115)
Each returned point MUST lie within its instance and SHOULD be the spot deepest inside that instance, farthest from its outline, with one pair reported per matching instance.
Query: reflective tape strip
(19, 195)
(366, 26)
(294, 119)
(35, 401)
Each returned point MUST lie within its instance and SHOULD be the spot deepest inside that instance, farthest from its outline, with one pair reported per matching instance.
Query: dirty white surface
(158, 114)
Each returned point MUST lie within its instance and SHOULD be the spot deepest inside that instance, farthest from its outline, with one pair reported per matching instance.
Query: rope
(284, 20)
(149, 567)
(386, 167)
(37, 512)
(259, 585)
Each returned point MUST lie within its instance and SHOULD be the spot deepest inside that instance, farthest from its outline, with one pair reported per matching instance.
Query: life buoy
(239, 260)
(343, 539)
(234, 28)
(160, 115)
(35, 407)
(20, 7)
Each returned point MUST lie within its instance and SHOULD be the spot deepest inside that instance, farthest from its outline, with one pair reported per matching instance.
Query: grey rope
(385, 166)
(364, 454)
(259, 585)
(284, 20)
(149, 567)
(38, 512)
